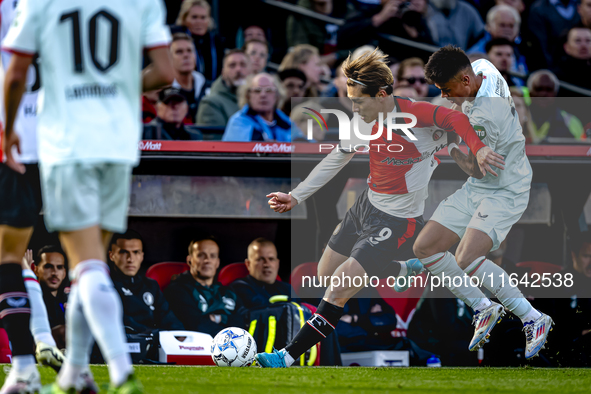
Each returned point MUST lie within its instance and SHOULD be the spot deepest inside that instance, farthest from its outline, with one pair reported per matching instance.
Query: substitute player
(483, 211)
(383, 223)
(88, 131)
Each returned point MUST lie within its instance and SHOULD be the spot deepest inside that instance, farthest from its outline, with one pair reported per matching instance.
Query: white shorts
(81, 195)
(493, 213)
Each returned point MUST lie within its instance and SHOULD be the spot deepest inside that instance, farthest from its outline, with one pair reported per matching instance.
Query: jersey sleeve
(483, 123)
(429, 115)
(22, 36)
(154, 31)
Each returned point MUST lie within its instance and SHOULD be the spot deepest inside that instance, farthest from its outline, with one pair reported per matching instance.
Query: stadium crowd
(238, 73)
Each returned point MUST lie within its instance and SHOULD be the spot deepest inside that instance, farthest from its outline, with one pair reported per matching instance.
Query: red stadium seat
(5, 353)
(163, 272)
(304, 269)
(404, 304)
(540, 267)
(232, 272)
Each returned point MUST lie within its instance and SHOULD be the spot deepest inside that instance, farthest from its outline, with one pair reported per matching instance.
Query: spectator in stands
(411, 73)
(201, 303)
(584, 10)
(51, 272)
(503, 21)
(258, 54)
(222, 102)
(322, 35)
(260, 118)
(576, 67)
(517, 4)
(548, 119)
(195, 19)
(254, 32)
(306, 58)
(190, 82)
(454, 22)
(501, 54)
(548, 21)
(406, 19)
(261, 283)
(406, 91)
(145, 309)
(171, 111)
(523, 113)
(294, 84)
(149, 100)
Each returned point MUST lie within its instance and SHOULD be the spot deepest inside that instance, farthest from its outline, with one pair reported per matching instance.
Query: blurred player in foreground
(88, 133)
(383, 223)
(483, 211)
(22, 305)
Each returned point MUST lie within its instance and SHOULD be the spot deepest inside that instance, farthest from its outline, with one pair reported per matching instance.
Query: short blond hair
(243, 91)
(186, 6)
(298, 55)
(258, 242)
(370, 71)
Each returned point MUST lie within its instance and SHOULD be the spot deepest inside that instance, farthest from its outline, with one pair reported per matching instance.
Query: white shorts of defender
(80, 195)
(493, 212)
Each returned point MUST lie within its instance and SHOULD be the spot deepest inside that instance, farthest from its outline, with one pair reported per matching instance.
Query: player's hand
(8, 143)
(28, 260)
(388, 11)
(281, 202)
(487, 157)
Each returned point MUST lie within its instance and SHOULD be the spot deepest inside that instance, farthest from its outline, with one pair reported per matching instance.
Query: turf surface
(358, 380)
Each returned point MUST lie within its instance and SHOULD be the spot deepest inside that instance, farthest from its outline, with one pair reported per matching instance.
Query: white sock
(79, 341)
(20, 363)
(534, 314)
(403, 269)
(288, 359)
(39, 322)
(496, 280)
(445, 267)
(104, 314)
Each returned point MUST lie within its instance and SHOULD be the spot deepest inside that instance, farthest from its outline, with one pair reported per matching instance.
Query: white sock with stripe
(496, 280)
(445, 267)
(39, 322)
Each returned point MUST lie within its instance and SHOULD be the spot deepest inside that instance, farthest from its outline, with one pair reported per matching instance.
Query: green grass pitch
(358, 380)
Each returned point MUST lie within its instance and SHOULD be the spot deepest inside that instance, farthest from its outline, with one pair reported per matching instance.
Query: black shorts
(375, 238)
(20, 196)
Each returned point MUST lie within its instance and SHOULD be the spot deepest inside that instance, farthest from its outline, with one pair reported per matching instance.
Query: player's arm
(467, 163)
(160, 72)
(14, 87)
(451, 120)
(320, 176)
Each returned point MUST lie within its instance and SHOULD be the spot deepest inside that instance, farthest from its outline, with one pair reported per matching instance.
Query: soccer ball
(233, 347)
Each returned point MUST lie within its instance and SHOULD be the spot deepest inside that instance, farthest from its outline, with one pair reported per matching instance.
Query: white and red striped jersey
(26, 119)
(399, 181)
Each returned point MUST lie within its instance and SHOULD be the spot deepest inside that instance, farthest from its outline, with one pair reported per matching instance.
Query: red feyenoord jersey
(410, 170)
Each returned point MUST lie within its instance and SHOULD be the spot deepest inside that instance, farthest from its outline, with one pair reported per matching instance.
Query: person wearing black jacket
(197, 300)
(145, 310)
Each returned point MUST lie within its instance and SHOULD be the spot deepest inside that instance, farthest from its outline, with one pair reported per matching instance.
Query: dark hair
(292, 72)
(230, 52)
(371, 70)
(129, 234)
(497, 42)
(51, 249)
(196, 241)
(445, 64)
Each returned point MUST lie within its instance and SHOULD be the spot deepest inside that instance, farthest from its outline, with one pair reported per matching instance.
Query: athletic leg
(99, 300)
(323, 322)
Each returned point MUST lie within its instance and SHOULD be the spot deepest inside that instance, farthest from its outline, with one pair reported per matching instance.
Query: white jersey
(493, 116)
(26, 119)
(90, 61)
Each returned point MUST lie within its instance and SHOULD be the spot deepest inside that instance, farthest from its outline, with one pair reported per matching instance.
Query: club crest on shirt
(148, 299)
(480, 132)
(437, 135)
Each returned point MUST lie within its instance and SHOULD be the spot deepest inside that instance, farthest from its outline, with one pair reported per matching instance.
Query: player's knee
(421, 249)
(463, 259)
